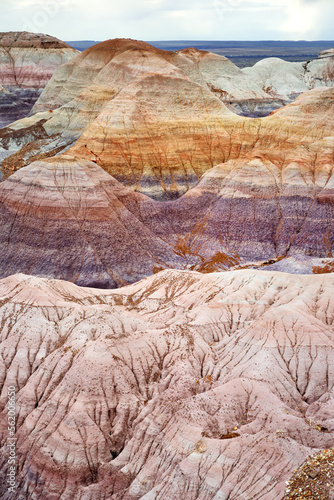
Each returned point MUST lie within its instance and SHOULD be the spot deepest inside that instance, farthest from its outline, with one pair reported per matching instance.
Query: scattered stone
(314, 479)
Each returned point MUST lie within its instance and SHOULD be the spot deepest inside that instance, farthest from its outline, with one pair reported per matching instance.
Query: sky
(172, 19)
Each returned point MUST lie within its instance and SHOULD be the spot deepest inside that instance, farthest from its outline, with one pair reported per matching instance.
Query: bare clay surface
(181, 386)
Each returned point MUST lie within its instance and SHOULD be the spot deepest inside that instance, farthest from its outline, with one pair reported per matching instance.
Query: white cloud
(301, 18)
(172, 19)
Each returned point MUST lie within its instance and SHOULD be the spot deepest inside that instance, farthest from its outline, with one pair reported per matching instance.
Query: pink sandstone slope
(27, 62)
(200, 387)
(272, 205)
(154, 119)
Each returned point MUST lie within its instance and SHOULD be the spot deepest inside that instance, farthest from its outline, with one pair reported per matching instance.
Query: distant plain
(242, 53)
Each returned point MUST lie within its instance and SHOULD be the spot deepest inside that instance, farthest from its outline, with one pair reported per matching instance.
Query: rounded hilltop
(24, 39)
(326, 53)
(199, 54)
(27, 62)
(122, 45)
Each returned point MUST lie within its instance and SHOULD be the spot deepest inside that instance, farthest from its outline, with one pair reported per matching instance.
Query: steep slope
(154, 119)
(156, 134)
(27, 62)
(182, 386)
(63, 218)
(320, 72)
(171, 145)
(270, 206)
(242, 94)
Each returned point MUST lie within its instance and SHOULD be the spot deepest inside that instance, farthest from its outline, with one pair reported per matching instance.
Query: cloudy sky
(172, 19)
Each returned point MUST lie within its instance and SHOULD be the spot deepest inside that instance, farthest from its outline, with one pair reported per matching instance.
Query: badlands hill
(67, 218)
(271, 205)
(190, 384)
(269, 80)
(285, 80)
(165, 151)
(27, 62)
(181, 386)
(156, 120)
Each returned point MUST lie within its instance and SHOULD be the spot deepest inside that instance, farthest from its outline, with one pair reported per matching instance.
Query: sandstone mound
(24, 39)
(79, 90)
(223, 77)
(65, 218)
(278, 77)
(326, 53)
(320, 72)
(27, 62)
(272, 205)
(158, 139)
(285, 80)
(273, 201)
(181, 386)
(70, 80)
(190, 131)
(156, 120)
(130, 87)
